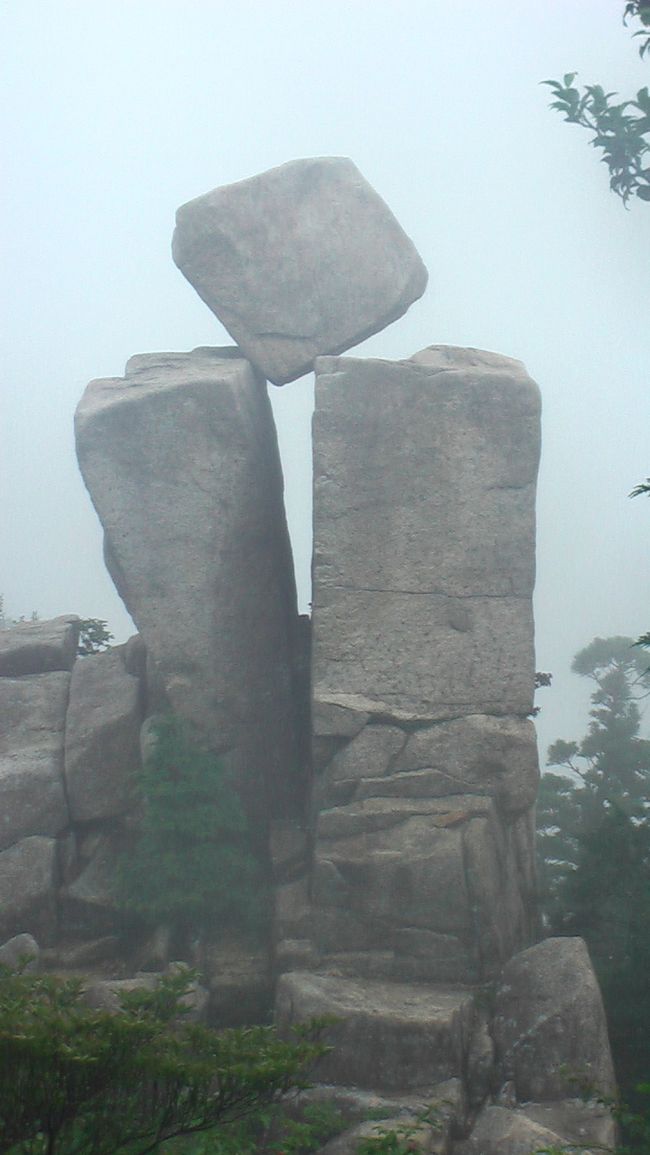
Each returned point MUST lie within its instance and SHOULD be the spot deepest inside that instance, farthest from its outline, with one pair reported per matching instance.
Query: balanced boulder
(301, 260)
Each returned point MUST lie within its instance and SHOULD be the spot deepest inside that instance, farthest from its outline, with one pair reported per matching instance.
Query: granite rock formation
(301, 260)
(426, 764)
(102, 741)
(68, 747)
(401, 855)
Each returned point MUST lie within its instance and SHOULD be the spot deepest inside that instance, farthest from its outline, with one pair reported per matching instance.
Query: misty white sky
(116, 112)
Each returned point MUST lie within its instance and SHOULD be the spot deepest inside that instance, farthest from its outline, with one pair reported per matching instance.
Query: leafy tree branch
(620, 129)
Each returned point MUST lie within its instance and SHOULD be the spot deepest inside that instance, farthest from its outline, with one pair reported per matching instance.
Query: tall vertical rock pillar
(423, 666)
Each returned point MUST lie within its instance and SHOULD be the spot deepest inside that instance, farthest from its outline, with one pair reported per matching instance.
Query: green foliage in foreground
(271, 1131)
(78, 1081)
(620, 130)
(192, 866)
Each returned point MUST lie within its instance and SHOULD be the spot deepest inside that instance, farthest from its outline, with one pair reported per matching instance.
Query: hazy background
(115, 113)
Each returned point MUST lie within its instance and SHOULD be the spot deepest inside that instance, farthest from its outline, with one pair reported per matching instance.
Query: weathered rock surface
(499, 1131)
(442, 1105)
(579, 1122)
(549, 1025)
(387, 1036)
(39, 647)
(426, 765)
(27, 881)
(107, 994)
(239, 982)
(420, 1135)
(16, 950)
(89, 904)
(424, 535)
(181, 461)
(570, 1124)
(32, 721)
(301, 260)
(430, 882)
(102, 740)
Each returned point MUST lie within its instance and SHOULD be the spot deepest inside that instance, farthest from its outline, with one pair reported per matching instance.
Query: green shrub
(81, 1081)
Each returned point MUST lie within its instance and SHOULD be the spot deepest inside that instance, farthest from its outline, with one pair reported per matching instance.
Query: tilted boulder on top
(180, 457)
(298, 261)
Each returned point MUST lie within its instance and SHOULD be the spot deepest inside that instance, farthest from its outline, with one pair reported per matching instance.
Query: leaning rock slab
(181, 460)
(39, 647)
(387, 1036)
(301, 260)
(32, 720)
(549, 1026)
(102, 740)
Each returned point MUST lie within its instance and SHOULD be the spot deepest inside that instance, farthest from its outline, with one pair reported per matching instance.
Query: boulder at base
(549, 1025)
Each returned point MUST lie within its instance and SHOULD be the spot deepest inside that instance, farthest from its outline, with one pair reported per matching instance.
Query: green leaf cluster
(192, 866)
(620, 129)
(76, 1081)
(404, 1138)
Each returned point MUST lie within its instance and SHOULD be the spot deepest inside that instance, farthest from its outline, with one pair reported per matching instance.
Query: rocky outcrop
(69, 743)
(401, 893)
(102, 740)
(301, 260)
(424, 535)
(426, 766)
(39, 647)
(181, 461)
(32, 795)
(389, 1037)
(28, 887)
(569, 1125)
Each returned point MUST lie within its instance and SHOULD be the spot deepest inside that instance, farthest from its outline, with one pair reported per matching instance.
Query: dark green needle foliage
(594, 844)
(192, 866)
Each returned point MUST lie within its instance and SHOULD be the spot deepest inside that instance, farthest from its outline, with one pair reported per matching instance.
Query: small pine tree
(191, 866)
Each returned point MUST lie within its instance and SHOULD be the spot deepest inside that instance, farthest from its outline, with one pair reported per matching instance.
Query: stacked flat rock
(301, 260)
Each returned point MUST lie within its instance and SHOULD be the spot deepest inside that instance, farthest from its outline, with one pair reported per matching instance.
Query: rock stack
(402, 845)
(69, 742)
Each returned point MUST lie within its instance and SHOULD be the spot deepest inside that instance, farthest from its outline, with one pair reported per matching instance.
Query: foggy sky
(115, 113)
